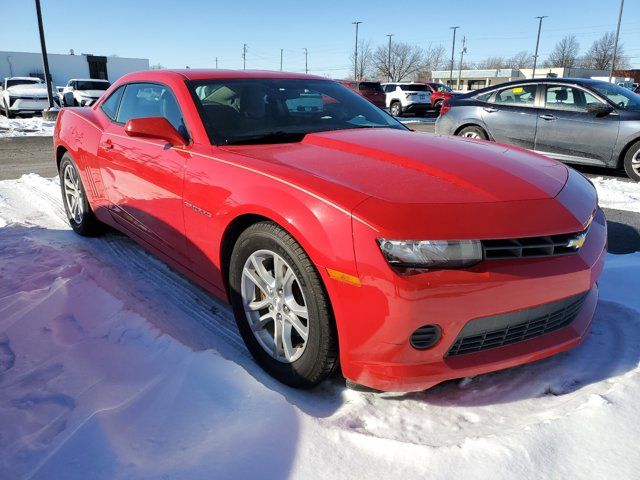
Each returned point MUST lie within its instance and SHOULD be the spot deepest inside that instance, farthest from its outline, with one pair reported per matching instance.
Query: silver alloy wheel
(635, 162)
(395, 109)
(471, 135)
(73, 193)
(275, 306)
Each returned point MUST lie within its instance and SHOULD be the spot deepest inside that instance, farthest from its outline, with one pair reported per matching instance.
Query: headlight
(431, 253)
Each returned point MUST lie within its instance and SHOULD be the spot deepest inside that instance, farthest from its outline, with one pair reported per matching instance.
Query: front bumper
(28, 105)
(387, 308)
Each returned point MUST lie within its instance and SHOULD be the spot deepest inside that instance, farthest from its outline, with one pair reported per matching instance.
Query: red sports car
(340, 238)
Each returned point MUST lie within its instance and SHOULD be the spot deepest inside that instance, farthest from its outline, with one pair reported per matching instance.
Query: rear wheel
(281, 307)
(396, 109)
(79, 213)
(473, 132)
(437, 106)
(7, 112)
(632, 162)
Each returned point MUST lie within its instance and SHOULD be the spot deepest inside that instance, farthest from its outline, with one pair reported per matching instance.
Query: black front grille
(532, 247)
(499, 330)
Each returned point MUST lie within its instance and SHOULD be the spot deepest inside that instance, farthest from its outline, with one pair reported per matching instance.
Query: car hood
(28, 90)
(405, 167)
(91, 93)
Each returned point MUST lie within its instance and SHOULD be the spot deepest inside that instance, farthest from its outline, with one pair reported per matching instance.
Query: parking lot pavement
(21, 155)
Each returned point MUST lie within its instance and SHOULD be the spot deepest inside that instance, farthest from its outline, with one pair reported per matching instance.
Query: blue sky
(195, 32)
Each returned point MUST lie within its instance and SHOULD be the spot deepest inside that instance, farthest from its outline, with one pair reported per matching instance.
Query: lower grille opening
(492, 332)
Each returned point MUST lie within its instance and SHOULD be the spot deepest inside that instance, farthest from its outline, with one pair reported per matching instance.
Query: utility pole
(462, 52)
(453, 50)
(306, 61)
(355, 57)
(216, 63)
(389, 58)
(615, 45)
(535, 55)
(244, 56)
(45, 60)
(281, 50)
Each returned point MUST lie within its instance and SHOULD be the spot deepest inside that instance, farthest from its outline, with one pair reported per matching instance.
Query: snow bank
(21, 127)
(114, 366)
(618, 194)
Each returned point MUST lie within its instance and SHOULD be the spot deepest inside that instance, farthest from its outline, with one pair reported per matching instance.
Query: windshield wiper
(271, 137)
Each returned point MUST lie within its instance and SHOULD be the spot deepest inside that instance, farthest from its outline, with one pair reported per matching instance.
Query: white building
(64, 67)
(475, 79)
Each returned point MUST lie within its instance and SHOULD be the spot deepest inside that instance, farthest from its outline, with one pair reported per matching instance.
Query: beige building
(480, 78)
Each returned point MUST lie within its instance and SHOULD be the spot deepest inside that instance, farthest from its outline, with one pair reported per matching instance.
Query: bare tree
(365, 60)
(565, 53)
(406, 61)
(492, 63)
(520, 60)
(600, 54)
(433, 58)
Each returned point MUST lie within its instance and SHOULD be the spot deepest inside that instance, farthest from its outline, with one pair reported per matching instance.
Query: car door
(144, 177)
(511, 115)
(568, 131)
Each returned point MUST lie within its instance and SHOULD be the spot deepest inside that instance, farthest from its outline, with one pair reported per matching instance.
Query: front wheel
(632, 162)
(396, 109)
(473, 132)
(7, 112)
(74, 197)
(281, 307)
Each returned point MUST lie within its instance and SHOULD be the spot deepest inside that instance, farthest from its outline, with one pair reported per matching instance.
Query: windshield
(370, 87)
(88, 85)
(259, 110)
(414, 87)
(619, 96)
(22, 81)
(439, 87)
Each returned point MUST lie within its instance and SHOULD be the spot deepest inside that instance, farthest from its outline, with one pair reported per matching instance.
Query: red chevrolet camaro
(341, 238)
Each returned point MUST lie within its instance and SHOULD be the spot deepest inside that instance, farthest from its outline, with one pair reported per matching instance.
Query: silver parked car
(572, 120)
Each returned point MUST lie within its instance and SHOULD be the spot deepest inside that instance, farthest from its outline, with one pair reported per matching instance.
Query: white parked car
(86, 91)
(23, 95)
(407, 97)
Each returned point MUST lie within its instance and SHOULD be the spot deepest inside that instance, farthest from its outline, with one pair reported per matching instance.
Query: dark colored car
(372, 91)
(573, 120)
(439, 93)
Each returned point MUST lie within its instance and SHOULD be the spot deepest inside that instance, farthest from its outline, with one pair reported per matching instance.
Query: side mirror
(68, 99)
(154, 127)
(599, 109)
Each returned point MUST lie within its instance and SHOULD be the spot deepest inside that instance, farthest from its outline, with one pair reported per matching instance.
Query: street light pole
(389, 59)
(453, 50)
(306, 61)
(244, 56)
(281, 50)
(45, 60)
(535, 56)
(355, 57)
(615, 45)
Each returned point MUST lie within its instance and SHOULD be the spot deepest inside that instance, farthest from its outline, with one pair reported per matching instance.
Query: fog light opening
(425, 337)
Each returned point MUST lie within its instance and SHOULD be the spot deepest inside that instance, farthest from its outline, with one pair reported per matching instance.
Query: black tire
(473, 131)
(320, 356)
(87, 225)
(632, 156)
(395, 109)
(437, 106)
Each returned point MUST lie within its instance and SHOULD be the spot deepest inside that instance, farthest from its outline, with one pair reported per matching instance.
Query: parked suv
(439, 93)
(23, 95)
(407, 98)
(372, 91)
(85, 91)
(573, 120)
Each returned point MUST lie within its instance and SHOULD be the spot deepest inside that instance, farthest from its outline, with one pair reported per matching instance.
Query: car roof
(24, 78)
(404, 83)
(567, 80)
(204, 74)
(88, 80)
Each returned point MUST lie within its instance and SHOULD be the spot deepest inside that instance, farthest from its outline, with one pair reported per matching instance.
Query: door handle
(548, 116)
(108, 144)
(490, 109)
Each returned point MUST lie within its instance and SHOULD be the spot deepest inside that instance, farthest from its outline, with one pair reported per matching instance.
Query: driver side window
(564, 97)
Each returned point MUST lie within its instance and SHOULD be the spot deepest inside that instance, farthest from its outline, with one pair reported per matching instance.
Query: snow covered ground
(21, 127)
(114, 366)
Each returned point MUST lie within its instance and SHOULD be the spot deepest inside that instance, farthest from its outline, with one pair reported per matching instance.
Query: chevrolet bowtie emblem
(577, 241)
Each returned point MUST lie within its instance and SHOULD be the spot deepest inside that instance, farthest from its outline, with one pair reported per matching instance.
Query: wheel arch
(471, 124)
(60, 151)
(625, 149)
